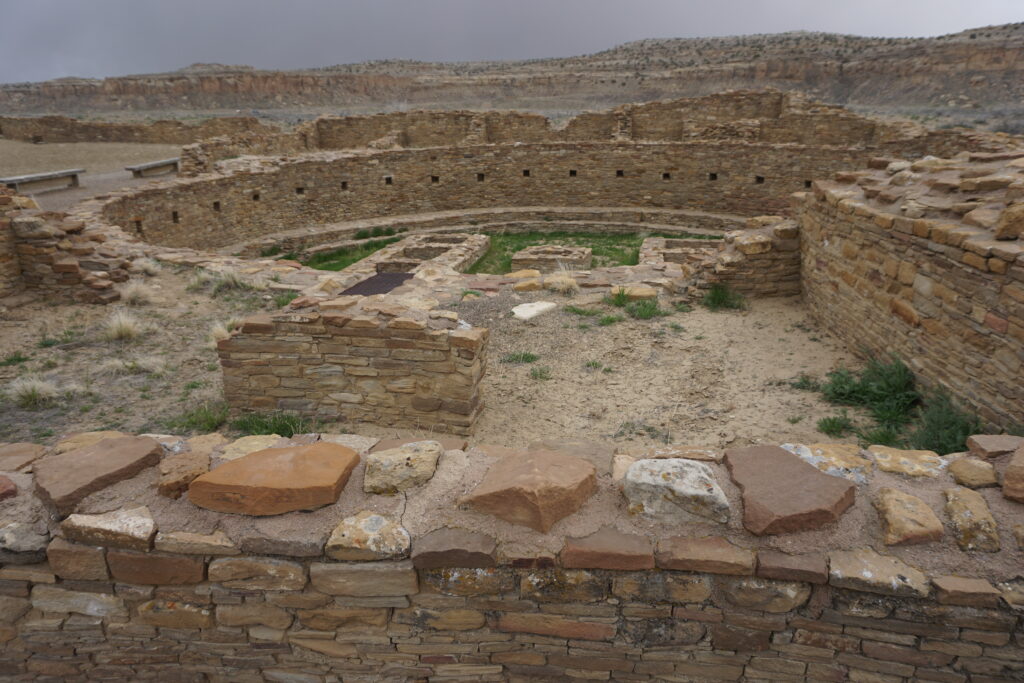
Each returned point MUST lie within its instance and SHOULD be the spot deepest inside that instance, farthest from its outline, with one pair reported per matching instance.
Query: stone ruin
(325, 556)
(550, 258)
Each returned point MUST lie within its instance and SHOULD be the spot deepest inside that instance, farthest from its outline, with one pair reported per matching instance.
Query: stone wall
(10, 267)
(361, 360)
(763, 260)
(170, 132)
(925, 261)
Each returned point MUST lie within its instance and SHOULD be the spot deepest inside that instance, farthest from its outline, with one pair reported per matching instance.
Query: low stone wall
(170, 132)
(10, 267)
(763, 260)
(359, 359)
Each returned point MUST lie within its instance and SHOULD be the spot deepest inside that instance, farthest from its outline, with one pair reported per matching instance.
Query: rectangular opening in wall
(620, 174)
(138, 225)
(572, 172)
(216, 206)
(666, 176)
(174, 216)
(712, 176)
(526, 173)
(255, 196)
(388, 180)
(435, 179)
(479, 177)
(344, 184)
(759, 179)
(300, 190)
(807, 184)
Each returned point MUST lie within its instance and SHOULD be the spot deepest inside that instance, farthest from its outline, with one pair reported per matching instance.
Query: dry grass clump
(148, 266)
(137, 294)
(563, 284)
(32, 392)
(122, 326)
(117, 367)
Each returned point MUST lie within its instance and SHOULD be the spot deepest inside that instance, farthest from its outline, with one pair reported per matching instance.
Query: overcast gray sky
(42, 39)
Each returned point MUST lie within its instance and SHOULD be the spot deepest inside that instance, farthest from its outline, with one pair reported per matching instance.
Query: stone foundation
(550, 258)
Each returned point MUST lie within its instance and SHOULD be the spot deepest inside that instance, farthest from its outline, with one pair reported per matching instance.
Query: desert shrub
(722, 297)
(285, 424)
(33, 393)
(148, 266)
(885, 387)
(205, 417)
(645, 309)
(941, 426)
(836, 425)
(122, 326)
(541, 373)
(519, 357)
(115, 367)
(881, 436)
(136, 294)
(562, 284)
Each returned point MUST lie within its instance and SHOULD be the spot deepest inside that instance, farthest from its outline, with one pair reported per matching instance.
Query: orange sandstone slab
(276, 480)
(608, 548)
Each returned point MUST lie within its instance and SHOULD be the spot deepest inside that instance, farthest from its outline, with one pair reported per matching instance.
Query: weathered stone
(956, 590)
(364, 579)
(331, 648)
(1013, 477)
(257, 573)
(360, 444)
(54, 599)
(711, 554)
(973, 473)
(154, 568)
(675, 451)
(535, 490)
(449, 443)
(674, 490)
(171, 614)
(910, 463)
(993, 445)
(837, 459)
(636, 292)
(528, 285)
(73, 442)
(678, 587)
(401, 468)
(447, 547)
(288, 542)
(441, 620)
(739, 639)
(76, 562)
(253, 614)
(64, 480)
(344, 618)
(18, 456)
(187, 543)
(12, 608)
(865, 570)
(554, 625)
(972, 521)
(368, 536)
(812, 567)
(178, 470)
(248, 444)
(276, 480)
(608, 548)
(524, 273)
(8, 489)
(462, 581)
(783, 494)
(907, 519)
(1010, 225)
(23, 542)
(563, 586)
(530, 311)
(132, 529)
(764, 595)
(598, 453)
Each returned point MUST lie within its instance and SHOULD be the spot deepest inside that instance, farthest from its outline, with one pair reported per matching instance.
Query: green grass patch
(343, 258)
(645, 309)
(284, 298)
(721, 297)
(204, 418)
(617, 298)
(836, 425)
(606, 320)
(284, 424)
(541, 374)
(942, 427)
(805, 382)
(520, 357)
(13, 359)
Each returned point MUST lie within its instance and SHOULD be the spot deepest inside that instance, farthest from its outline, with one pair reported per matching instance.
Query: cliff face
(981, 68)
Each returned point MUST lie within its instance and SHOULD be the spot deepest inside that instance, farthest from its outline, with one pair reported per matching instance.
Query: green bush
(362, 234)
(285, 424)
(836, 425)
(805, 382)
(721, 297)
(645, 309)
(941, 426)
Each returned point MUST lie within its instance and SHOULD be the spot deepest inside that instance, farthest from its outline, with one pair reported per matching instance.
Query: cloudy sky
(42, 39)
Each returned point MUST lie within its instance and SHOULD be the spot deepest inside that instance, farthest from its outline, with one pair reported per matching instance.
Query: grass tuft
(805, 382)
(33, 393)
(204, 418)
(136, 294)
(722, 297)
(836, 425)
(122, 326)
(583, 312)
(541, 373)
(606, 320)
(617, 298)
(285, 424)
(13, 359)
(519, 357)
(645, 309)
(941, 426)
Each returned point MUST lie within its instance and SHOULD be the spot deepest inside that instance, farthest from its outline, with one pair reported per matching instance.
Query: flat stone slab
(364, 579)
(1013, 477)
(242, 447)
(958, 590)
(910, 463)
(447, 547)
(402, 468)
(187, 543)
(133, 529)
(368, 536)
(712, 554)
(993, 445)
(974, 473)
(276, 480)
(837, 459)
(73, 442)
(608, 548)
(764, 595)
(360, 444)
(535, 490)
(17, 456)
(64, 480)
(674, 489)
(866, 570)
(782, 494)
(449, 443)
(811, 567)
(531, 310)
(257, 573)
(973, 524)
(906, 519)
(177, 471)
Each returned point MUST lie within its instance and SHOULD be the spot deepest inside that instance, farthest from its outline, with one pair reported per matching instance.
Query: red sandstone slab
(772, 564)
(608, 548)
(957, 590)
(64, 480)
(782, 493)
(15, 456)
(276, 480)
(712, 554)
(448, 547)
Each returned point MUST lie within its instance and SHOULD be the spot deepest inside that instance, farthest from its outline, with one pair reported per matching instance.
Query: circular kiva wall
(257, 197)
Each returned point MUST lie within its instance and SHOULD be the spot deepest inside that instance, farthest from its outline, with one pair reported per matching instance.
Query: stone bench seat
(42, 182)
(154, 168)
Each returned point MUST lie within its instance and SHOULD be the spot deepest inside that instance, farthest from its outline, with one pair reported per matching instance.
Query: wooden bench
(42, 182)
(153, 168)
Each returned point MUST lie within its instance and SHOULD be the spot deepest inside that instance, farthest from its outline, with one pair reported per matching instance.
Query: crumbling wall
(763, 260)
(168, 132)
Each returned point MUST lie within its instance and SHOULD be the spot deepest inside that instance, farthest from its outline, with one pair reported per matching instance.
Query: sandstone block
(782, 493)
(76, 562)
(712, 554)
(448, 443)
(535, 490)
(331, 648)
(971, 520)
(812, 567)
(73, 442)
(441, 620)
(360, 444)
(907, 519)
(555, 626)
(178, 470)
(531, 310)
(528, 285)
(956, 590)
(253, 614)
(673, 490)
(401, 468)
(1013, 477)
(608, 548)
(837, 459)
(8, 489)
(64, 480)
(154, 568)
(257, 573)
(368, 536)
(636, 292)
(866, 570)
(993, 445)
(973, 473)
(765, 595)
(344, 618)
(12, 609)
(171, 614)
(187, 543)
(447, 547)
(738, 639)
(276, 480)
(248, 444)
(18, 456)
(1011, 223)
(364, 579)
(910, 463)
(132, 529)
(54, 599)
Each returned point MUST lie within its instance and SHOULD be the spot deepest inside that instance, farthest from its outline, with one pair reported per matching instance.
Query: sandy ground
(104, 163)
(176, 342)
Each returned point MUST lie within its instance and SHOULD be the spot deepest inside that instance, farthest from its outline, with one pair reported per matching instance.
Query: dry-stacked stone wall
(10, 266)
(170, 132)
(763, 260)
(926, 260)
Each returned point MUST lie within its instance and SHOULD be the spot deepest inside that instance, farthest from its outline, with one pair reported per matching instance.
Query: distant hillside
(979, 70)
